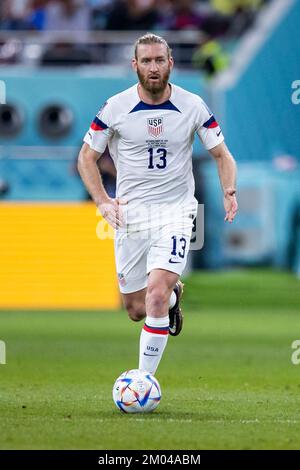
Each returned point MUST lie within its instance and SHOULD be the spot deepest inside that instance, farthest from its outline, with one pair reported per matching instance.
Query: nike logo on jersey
(174, 262)
(145, 354)
(218, 133)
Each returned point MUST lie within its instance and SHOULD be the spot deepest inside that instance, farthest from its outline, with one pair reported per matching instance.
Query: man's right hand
(112, 212)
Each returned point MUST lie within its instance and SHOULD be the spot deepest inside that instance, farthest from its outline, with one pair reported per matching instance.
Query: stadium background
(58, 294)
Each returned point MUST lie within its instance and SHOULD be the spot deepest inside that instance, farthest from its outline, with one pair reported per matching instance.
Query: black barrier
(11, 120)
(55, 120)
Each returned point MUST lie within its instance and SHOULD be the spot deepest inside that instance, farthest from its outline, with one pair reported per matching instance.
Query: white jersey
(151, 146)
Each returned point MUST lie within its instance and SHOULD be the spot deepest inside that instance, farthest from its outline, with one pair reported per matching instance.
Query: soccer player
(149, 129)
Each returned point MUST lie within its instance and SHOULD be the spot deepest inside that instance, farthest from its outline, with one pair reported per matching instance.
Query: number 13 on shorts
(178, 249)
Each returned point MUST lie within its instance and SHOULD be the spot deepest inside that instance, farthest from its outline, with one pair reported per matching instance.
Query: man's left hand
(230, 205)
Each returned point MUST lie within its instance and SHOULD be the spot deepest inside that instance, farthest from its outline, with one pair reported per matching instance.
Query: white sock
(153, 340)
(172, 300)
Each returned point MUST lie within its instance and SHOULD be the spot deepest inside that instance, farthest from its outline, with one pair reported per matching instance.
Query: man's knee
(136, 311)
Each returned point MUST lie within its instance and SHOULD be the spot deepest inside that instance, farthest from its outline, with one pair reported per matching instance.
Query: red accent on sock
(157, 331)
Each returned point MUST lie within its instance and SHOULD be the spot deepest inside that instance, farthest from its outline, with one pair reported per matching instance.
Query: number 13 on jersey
(157, 158)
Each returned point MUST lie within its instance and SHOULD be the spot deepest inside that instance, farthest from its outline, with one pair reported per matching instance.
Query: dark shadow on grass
(159, 415)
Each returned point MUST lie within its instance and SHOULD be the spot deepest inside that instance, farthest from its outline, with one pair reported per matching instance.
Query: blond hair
(151, 38)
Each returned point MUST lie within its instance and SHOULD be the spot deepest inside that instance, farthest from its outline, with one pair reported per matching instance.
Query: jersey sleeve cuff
(93, 146)
(217, 141)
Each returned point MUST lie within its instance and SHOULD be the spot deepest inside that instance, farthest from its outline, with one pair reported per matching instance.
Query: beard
(155, 88)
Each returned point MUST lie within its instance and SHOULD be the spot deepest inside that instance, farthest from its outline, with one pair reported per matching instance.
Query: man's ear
(171, 62)
(134, 64)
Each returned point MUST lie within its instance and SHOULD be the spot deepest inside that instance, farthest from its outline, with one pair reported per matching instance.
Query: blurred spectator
(67, 15)
(229, 7)
(186, 15)
(36, 18)
(132, 15)
(185, 18)
(165, 14)
(14, 14)
(210, 58)
(49, 15)
(99, 13)
(240, 13)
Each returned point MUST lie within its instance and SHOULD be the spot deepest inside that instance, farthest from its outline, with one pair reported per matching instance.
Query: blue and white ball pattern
(136, 391)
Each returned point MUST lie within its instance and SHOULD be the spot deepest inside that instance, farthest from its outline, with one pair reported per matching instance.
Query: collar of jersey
(141, 106)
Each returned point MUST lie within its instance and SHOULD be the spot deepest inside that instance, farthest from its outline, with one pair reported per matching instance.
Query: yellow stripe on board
(50, 257)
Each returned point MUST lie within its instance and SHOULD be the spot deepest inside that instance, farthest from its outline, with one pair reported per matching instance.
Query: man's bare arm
(227, 174)
(90, 175)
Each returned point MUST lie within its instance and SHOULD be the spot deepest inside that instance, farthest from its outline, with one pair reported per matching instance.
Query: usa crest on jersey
(155, 126)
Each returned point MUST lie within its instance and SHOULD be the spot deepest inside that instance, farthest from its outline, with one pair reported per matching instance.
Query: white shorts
(138, 253)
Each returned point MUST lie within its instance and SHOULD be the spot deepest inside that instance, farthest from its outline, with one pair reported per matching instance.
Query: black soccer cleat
(175, 313)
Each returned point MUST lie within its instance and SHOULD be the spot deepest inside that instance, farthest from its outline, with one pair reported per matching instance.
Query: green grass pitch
(227, 381)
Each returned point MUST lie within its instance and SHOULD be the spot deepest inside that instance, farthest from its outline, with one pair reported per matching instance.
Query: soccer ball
(136, 391)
